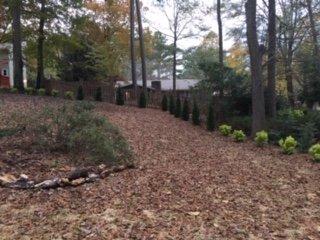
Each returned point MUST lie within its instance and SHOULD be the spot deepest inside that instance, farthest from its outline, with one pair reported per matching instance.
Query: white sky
(157, 20)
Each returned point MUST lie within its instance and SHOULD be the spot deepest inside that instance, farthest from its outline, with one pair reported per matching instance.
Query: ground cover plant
(261, 138)
(315, 152)
(238, 135)
(225, 130)
(288, 145)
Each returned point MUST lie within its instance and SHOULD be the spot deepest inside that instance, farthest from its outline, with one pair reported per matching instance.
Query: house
(6, 67)
(183, 86)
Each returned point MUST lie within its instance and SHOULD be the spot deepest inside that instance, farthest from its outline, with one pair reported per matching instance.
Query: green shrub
(225, 130)
(261, 138)
(77, 130)
(98, 94)
(210, 118)
(30, 91)
(195, 114)
(164, 103)
(142, 100)
(177, 112)
(306, 136)
(297, 113)
(14, 90)
(41, 92)
(119, 97)
(7, 132)
(288, 145)
(80, 93)
(238, 135)
(315, 152)
(69, 95)
(185, 110)
(241, 122)
(54, 93)
(172, 106)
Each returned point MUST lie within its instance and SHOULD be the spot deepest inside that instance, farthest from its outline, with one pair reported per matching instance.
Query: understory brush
(76, 130)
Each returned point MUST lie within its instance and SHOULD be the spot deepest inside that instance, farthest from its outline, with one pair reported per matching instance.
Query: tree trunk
(40, 70)
(258, 106)
(132, 48)
(174, 72)
(142, 48)
(272, 59)
(289, 78)
(314, 34)
(220, 32)
(17, 45)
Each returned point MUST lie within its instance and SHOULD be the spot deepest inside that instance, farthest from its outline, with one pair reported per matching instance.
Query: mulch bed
(188, 184)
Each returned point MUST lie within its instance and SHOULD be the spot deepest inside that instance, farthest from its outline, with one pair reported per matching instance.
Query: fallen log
(76, 178)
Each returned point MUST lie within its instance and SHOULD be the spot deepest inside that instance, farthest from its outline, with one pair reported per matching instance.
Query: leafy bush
(142, 100)
(225, 130)
(185, 110)
(7, 132)
(164, 103)
(80, 93)
(195, 114)
(119, 97)
(306, 136)
(30, 90)
(54, 93)
(171, 105)
(261, 138)
(238, 135)
(79, 131)
(98, 94)
(288, 145)
(69, 95)
(210, 118)
(41, 92)
(177, 112)
(243, 123)
(14, 90)
(315, 152)
(301, 125)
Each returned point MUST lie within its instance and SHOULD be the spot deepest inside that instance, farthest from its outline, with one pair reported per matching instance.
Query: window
(4, 72)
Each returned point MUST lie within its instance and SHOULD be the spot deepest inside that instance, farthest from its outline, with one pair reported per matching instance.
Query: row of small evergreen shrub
(142, 100)
(182, 110)
(55, 93)
(287, 143)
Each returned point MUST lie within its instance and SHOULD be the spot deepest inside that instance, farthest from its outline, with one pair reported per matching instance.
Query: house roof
(166, 85)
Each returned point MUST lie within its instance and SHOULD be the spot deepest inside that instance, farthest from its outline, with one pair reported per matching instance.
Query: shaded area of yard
(189, 184)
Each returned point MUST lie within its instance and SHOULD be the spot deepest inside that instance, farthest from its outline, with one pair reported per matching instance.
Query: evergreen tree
(119, 97)
(164, 103)
(142, 100)
(98, 94)
(171, 105)
(177, 113)
(80, 94)
(195, 114)
(210, 118)
(185, 110)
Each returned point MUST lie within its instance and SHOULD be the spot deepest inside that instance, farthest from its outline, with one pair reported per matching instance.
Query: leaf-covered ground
(188, 184)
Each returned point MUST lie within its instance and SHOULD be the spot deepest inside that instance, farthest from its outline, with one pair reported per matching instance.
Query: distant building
(182, 85)
(6, 67)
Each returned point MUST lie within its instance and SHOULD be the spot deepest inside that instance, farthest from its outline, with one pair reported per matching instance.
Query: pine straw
(190, 184)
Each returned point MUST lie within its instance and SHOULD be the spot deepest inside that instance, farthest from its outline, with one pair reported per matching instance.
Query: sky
(156, 20)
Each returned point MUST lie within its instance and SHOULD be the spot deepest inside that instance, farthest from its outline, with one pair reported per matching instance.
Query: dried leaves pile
(189, 184)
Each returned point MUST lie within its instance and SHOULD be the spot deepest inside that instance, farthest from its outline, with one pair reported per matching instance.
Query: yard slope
(189, 184)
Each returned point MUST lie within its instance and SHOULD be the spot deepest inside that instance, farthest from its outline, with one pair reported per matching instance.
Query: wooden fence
(89, 89)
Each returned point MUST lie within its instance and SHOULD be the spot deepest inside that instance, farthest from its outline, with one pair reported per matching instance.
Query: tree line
(277, 47)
